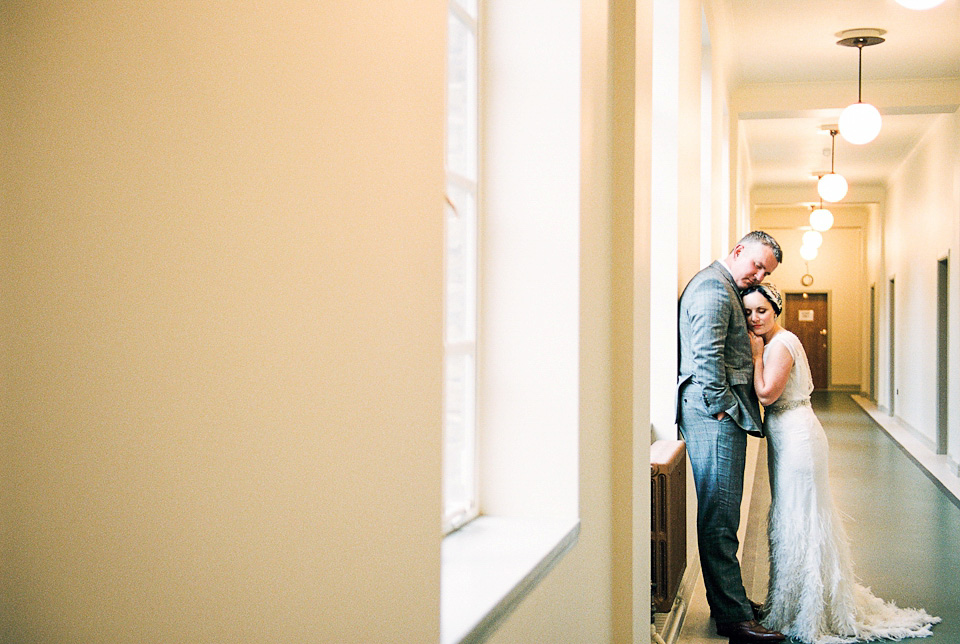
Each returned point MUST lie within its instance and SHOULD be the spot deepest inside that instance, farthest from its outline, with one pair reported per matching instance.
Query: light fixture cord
(860, 72)
(833, 147)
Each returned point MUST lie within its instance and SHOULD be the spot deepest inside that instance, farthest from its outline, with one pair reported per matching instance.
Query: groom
(716, 409)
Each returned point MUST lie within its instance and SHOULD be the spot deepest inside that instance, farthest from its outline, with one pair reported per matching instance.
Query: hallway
(232, 366)
(904, 529)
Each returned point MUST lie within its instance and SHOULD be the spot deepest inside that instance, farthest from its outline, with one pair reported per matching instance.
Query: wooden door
(805, 314)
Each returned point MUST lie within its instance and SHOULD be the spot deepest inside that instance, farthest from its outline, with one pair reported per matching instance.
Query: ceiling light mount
(860, 38)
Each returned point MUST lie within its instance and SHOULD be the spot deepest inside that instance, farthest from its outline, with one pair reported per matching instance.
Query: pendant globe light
(808, 253)
(812, 238)
(860, 122)
(919, 4)
(821, 219)
(832, 186)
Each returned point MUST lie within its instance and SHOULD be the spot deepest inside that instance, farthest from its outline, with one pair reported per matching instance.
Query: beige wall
(222, 322)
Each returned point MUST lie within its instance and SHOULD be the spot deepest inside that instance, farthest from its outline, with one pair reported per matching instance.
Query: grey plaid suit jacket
(715, 348)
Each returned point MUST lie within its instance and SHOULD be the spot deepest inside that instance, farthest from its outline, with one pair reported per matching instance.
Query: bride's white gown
(813, 594)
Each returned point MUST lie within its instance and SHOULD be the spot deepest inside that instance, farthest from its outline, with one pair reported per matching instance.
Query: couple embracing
(734, 356)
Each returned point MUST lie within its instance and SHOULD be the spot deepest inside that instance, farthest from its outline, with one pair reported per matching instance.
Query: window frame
(465, 347)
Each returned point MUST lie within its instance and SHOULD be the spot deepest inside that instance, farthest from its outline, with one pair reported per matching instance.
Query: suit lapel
(729, 278)
(720, 268)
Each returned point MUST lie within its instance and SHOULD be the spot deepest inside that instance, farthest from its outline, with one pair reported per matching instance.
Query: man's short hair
(760, 237)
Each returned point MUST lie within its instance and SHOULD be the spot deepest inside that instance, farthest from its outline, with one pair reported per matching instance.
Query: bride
(813, 595)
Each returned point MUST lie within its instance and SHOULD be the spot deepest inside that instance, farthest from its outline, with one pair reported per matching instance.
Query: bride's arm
(770, 376)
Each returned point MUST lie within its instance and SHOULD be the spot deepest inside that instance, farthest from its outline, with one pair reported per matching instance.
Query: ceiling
(780, 43)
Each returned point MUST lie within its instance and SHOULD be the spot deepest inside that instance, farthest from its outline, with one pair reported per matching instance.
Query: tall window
(460, 296)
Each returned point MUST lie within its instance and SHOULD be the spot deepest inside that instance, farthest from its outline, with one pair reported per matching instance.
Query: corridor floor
(904, 529)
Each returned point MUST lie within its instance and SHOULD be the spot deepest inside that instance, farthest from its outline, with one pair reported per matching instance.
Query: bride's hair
(769, 291)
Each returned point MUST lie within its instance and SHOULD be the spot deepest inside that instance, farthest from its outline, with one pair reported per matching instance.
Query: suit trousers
(718, 453)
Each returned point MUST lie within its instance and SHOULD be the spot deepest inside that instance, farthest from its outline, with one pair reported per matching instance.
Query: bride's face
(760, 314)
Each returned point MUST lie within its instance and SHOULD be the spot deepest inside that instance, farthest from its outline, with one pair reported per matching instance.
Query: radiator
(668, 535)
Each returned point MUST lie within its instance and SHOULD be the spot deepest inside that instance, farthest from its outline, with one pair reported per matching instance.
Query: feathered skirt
(813, 595)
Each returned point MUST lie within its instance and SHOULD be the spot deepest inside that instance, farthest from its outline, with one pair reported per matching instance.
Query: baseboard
(846, 389)
(914, 433)
(939, 468)
(669, 625)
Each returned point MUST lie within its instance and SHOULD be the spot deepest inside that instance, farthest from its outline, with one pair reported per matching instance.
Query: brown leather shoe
(749, 632)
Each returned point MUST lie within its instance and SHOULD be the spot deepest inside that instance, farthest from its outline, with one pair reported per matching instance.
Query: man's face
(751, 264)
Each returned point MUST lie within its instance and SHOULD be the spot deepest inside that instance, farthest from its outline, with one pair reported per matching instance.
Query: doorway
(891, 297)
(805, 315)
(873, 343)
(942, 347)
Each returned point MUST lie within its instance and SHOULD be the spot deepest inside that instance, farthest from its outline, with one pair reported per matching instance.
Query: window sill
(490, 565)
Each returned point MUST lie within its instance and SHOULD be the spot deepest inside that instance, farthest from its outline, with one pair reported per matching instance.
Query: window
(512, 334)
(460, 290)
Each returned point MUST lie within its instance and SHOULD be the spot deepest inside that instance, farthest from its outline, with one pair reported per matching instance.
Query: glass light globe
(832, 187)
(808, 252)
(859, 123)
(812, 238)
(821, 219)
(919, 4)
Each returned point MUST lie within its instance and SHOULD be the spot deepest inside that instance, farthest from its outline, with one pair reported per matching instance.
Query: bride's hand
(756, 344)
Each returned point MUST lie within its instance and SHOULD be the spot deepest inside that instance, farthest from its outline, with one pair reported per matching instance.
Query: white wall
(875, 278)
(631, 262)
(575, 599)
(739, 223)
(599, 592)
(222, 241)
(920, 227)
(529, 246)
(675, 165)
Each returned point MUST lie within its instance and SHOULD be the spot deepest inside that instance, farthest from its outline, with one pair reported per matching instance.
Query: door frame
(892, 343)
(873, 343)
(943, 350)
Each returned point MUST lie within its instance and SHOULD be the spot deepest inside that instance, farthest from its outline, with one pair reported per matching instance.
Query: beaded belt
(778, 406)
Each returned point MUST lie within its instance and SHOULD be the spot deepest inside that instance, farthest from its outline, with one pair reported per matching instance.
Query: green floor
(904, 530)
